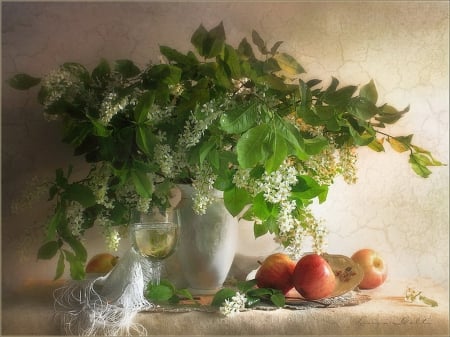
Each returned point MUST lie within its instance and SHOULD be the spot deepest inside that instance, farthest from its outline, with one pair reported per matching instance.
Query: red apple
(375, 269)
(313, 277)
(276, 272)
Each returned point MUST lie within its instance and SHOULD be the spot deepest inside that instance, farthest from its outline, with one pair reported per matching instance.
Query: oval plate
(348, 273)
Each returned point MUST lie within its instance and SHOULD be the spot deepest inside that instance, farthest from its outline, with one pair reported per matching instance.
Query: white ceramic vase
(207, 244)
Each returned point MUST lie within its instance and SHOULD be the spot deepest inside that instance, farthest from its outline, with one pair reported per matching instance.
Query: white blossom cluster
(143, 204)
(195, 127)
(277, 185)
(111, 106)
(347, 164)
(241, 86)
(157, 114)
(203, 185)
(98, 183)
(59, 83)
(412, 294)
(322, 167)
(307, 226)
(242, 179)
(234, 305)
(294, 223)
(164, 157)
(110, 233)
(75, 218)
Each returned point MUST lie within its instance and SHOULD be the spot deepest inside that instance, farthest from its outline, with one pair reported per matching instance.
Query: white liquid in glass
(155, 241)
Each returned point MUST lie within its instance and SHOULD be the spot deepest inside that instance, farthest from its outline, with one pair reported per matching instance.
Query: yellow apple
(374, 266)
(101, 263)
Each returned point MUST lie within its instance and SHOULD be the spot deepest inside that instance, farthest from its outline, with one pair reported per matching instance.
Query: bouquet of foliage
(243, 120)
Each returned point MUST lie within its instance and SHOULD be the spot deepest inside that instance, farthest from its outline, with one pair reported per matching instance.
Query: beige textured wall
(403, 46)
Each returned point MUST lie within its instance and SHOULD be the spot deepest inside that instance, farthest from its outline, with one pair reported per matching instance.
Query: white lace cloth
(106, 305)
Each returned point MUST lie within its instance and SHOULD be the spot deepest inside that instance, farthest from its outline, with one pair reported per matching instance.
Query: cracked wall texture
(403, 46)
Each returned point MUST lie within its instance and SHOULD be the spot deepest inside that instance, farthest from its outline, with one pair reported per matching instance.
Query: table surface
(29, 311)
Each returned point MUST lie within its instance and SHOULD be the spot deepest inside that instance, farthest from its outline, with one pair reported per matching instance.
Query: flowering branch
(243, 121)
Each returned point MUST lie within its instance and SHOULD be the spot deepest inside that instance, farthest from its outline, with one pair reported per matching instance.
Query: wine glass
(155, 236)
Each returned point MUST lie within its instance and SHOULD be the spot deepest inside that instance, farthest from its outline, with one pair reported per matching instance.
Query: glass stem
(156, 272)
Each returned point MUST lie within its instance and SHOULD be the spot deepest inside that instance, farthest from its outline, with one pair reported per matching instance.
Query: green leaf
(274, 82)
(60, 266)
(80, 193)
(307, 188)
(222, 295)
(143, 107)
(245, 286)
(99, 129)
(77, 271)
(369, 92)
(184, 293)
(142, 183)
(126, 68)
(428, 301)
(239, 119)
(260, 207)
(324, 112)
(389, 115)
(252, 301)
(231, 59)
(315, 145)
(198, 39)
(23, 81)
(252, 146)
(292, 135)
(398, 144)
(259, 229)
(159, 77)
(235, 199)
(159, 293)
(417, 165)
(288, 64)
(205, 149)
(275, 47)
(278, 299)
(209, 43)
(175, 56)
(52, 225)
(360, 139)
(101, 71)
(363, 109)
(340, 97)
(245, 50)
(426, 159)
(145, 139)
(48, 250)
(260, 292)
(77, 247)
(279, 151)
(259, 42)
(305, 96)
(432, 161)
(376, 145)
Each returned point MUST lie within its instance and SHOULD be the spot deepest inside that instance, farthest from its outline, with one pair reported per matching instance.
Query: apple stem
(259, 262)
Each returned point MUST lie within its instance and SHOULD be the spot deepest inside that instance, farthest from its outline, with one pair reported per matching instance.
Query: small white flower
(75, 218)
(235, 305)
(111, 107)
